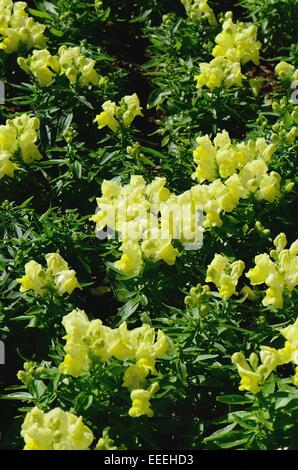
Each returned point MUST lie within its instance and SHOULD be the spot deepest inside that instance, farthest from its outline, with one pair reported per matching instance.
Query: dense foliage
(148, 107)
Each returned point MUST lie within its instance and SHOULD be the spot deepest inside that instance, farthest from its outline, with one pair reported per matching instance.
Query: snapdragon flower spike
(225, 274)
(69, 61)
(17, 29)
(277, 270)
(219, 73)
(57, 274)
(122, 114)
(18, 135)
(55, 430)
(253, 375)
(90, 341)
(222, 158)
(147, 218)
(236, 44)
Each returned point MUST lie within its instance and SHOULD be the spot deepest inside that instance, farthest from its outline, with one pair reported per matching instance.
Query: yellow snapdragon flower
(141, 405)
(285, 71)
(197, 9)
(254, 375)
(7, 168)
(42, 65)
(18, 29)
(55, 430)
(77, 68)
(223, 158)
(89, 341)
(250, 380)
(147, 218)
(131, 262)
(225, 275)
(220, 72)
(279, 271)
(18, 134)
(113, 115)
(58, 274)
(135, 376)
(35, 278)
(237, 42)
(69, 61)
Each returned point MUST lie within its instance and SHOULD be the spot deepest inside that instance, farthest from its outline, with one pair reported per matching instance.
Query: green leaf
(39, 14)
(234, 399)
(128, 309)
(18, 396)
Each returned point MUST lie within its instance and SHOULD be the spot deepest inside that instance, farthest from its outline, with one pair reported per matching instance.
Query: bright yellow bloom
(55, 430)
(132, 109)
(124, 113)
(140, 404)
(35, 278)
(57, 273)
(250, 380)
(220, 72)
(20, 134)
(69, 61)
(279, 271)
(271, 358)
(224, 158)
(237, 42)
(42, 65)
(77, 68)
(7, 168)
(157, 250)
(17, 29)
(131, 261)
(135, 377)
(225, 275)
(285, 71)
(89, 341)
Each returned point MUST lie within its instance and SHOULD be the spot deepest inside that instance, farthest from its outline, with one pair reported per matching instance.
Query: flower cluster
(253, 375)
(285, 71)
(55, 430)
(222, 158)
(18, 136)
(218, 73)
(124, 113)
(147, 218)
(197, 9)
(57, 275)
(17, 29)
(89, 341)
(225, 275)
(279, 271)
(243, 169)
(236, 44)
(70, 62)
